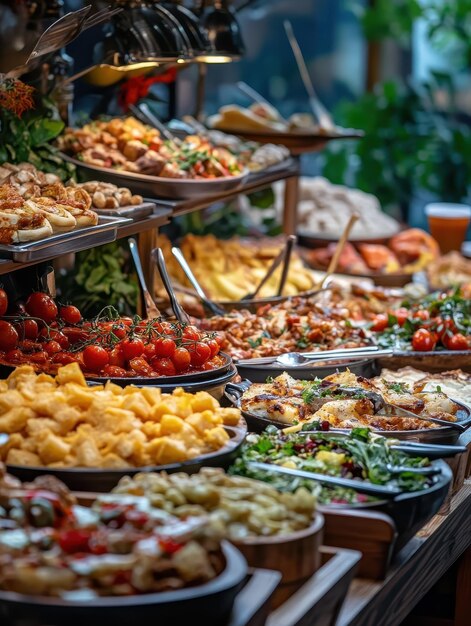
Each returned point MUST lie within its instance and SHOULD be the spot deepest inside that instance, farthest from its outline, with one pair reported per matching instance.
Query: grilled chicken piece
(439, 405)
(344, 413)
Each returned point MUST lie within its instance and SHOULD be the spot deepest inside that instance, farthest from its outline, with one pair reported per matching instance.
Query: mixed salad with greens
(359, 455)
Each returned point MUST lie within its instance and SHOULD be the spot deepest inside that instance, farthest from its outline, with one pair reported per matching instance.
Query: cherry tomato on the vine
(181, 359)
(70, 314)
(117, 357)
(64, 358)
(131, 348)
(164, 366)
(165, 347)
(213, 346)
(199, 353)
(52, 347)
(41, 305)
(95, 358)
(191, 333)
(140, 366)
(115, 371)
(8, 336)
(55, 335)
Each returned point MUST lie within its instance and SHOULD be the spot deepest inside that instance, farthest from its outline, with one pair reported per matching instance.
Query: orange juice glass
(448, 224)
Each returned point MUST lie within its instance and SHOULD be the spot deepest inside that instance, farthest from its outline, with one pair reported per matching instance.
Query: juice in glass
(448, 223)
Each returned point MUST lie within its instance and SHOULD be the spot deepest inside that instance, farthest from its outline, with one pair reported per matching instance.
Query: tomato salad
(439, 322)
(46, 336)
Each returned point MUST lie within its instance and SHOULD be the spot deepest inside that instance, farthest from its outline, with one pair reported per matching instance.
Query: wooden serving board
(371, 533)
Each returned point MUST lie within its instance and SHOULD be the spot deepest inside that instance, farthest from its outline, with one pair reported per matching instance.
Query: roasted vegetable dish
(345, 400)
(128, 145)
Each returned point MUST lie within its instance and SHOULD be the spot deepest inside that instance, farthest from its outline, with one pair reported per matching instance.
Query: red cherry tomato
(132, 348)
(116, 357)
(445, 327)
(191, 333)
(119, 329)
(164, 366)
(8, 336)
(127, 321)
(181, 359)
(70, 314)
(95, 358)
(423, 340)
(113, 371)
(52, 347)
(55, 335)
(64, 358)
(458, 342)
(14, 356)
(422, 314)
(27, 329)
(75, 334)
(149, 351)
(28, 345)
(213, 346)
(199, 353)
(165, 347)
(401, 315)
(41, 305)
(140, 366)
(380, 322)
(3, 302)
(39, 357)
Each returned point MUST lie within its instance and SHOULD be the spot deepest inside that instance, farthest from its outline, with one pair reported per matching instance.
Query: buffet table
(420, 564)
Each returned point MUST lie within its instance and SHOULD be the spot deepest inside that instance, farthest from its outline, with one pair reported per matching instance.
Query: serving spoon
(301, 359)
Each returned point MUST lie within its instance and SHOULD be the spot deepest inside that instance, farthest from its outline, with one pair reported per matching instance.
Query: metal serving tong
(301, 359)
(336, 481)
(142, 111)
(284, 256)
(257, 97)
(391, 410)
(150, 307)
(62, 32)
(180, 314)
(207, 303)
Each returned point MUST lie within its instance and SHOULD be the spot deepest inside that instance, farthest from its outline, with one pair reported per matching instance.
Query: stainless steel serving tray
(63, 243)
(442, 434)
(157, 186)
(134, 211)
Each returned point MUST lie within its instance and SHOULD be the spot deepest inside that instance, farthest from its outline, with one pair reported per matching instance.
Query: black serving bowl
(211, 602)
(260, 373)
(215, 385)
(104, 480)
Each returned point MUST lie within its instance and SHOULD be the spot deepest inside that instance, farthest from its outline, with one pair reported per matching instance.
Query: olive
(41, 512)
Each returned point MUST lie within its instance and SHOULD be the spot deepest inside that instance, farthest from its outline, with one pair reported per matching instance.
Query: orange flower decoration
(15, 96)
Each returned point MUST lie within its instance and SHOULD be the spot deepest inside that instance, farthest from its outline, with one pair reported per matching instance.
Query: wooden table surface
(419, 565)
